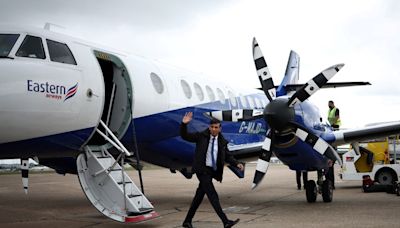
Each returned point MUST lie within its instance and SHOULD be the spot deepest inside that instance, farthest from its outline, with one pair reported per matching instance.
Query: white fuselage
(33, 91)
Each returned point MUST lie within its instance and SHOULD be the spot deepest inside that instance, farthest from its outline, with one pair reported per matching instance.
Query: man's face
(330, 104)
(215, 129)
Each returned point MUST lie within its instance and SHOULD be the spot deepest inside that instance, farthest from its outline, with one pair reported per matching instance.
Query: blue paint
(57, 144)
(159, 141)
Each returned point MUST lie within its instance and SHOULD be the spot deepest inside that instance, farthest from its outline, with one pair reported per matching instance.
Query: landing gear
(327, 191)
(324, 187)
(311, 191)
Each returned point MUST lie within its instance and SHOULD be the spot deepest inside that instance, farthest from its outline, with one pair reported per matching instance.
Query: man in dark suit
(208, 163)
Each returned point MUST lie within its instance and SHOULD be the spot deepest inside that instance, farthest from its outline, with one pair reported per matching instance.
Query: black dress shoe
(231, 223)
(187, 225)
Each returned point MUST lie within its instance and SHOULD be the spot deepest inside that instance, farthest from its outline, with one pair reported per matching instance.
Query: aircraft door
(117, 108)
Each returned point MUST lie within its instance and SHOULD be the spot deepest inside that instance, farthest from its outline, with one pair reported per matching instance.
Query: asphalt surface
(58, 201)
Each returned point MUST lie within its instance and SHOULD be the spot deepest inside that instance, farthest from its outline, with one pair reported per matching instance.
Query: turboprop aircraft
(85, 109)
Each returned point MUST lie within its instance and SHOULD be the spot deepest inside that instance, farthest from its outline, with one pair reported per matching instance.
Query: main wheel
(327, 191)
(311, 191)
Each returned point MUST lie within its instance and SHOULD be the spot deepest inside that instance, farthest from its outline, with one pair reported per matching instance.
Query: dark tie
(214, 166)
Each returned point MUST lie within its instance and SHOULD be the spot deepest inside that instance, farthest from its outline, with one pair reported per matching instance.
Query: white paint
(311, 84)
(301, 134)
(237, 114)
(25, 114)
(217, 115)
(262, 166)
(22, 112)
(267, 144)
(320, 146)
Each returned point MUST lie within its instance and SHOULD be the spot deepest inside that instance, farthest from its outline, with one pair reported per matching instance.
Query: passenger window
(243, 101)
(232, 98)
(157, 83)
(31, 47)
(251, 102)
(60, 52)
(199, 91)
(264, 103)
(258, 103)
(210, 93)
(186, 89)
(221, 95)
(7, 41)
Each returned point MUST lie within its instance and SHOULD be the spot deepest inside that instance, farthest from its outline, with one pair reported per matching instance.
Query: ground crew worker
(333, 116)
(334, 121)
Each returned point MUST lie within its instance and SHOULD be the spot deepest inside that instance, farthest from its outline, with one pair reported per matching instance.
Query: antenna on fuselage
(48, 25)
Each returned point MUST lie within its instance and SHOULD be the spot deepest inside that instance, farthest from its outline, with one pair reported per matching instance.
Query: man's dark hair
(331, 102)
(215, 121)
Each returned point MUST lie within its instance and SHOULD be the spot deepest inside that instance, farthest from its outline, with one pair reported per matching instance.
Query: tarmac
(58, 201)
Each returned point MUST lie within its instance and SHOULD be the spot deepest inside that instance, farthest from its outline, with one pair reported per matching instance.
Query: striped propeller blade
(236, 115)
(263, 73)
(318, 144)
(263, 162)
(314, 85)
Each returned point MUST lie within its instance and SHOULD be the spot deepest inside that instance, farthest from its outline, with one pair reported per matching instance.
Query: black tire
(398, 188)
(311, 191)
(385, 176)
(327, 191)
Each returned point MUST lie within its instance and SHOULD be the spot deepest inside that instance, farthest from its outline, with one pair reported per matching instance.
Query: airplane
(85, 109)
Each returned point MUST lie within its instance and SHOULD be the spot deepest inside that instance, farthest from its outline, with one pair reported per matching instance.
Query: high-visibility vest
(331, 117)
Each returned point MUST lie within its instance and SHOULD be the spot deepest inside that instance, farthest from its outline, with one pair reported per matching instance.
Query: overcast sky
(214, 38)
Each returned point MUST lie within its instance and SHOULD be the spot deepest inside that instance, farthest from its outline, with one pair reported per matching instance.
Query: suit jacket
(202, 140)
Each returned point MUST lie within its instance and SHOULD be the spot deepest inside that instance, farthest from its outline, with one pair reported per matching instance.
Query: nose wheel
(324, 187)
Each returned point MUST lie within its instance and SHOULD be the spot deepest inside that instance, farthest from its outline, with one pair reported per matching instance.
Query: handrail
(115, 138)
(109, 140)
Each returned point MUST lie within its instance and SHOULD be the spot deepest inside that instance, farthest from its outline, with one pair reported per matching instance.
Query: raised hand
(187, 118)
(240, 166)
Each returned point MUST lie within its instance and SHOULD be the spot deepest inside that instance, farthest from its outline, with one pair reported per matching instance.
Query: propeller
(264, 75)
(263, 160)
(314, 85)
(279, 113)
(236, 115)
(317, 143)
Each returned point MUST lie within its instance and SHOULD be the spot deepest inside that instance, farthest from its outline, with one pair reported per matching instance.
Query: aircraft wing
(366, 133)
(295, 87)
(344, 84)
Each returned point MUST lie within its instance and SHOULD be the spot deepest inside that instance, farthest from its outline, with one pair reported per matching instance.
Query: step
(105, 190)
(142, 218)
(133, 195)
(141, 211)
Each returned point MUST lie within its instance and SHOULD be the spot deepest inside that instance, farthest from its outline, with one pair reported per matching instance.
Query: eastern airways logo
(51, 91)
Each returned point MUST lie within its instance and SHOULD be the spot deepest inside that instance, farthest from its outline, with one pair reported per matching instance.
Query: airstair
(108, 187)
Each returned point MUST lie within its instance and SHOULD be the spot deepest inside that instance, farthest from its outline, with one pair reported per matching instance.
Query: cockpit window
(7, 41)
(31, 47)
(60, 52)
